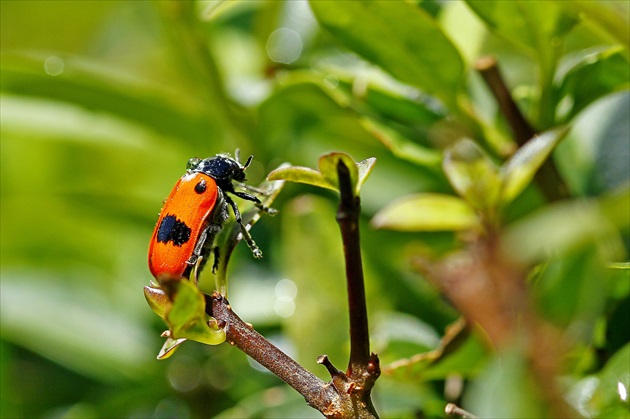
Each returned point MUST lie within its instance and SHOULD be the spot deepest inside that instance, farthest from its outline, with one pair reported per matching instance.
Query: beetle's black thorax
(223, 170)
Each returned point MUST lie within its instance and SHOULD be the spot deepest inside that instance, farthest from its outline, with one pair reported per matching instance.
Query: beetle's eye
(200, 187)
(193, 163)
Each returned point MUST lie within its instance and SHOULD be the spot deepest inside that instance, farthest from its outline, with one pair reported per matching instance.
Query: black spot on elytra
(173, 230)
(200, 187)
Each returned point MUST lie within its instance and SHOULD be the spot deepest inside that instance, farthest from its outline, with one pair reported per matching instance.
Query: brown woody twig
(318, 394)
(548, 177)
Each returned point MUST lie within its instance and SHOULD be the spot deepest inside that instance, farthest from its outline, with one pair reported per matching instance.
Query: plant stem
(363, 370)
(348, 219)
(489, 70)
(318, 394)
(548, 177)
(453, 409)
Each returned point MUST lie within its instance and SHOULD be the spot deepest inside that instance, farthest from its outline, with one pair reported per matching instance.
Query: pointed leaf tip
(520, 169)
(365, 167)
(169, 347)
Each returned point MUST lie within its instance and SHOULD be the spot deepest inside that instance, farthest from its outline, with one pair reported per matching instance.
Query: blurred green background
(103, 103)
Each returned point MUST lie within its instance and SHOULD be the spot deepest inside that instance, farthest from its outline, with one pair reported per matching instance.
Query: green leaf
(169, 347)
(571, 290)
(467, 359)
(399, 37)
(326, 177)
(213, 10)
(620, 265)
(364, 168)
(594, 76)
(187, 317)
(308, 110)
(401, 146)
(605, 395)
(473, 175)
(530, 25)
(300, 174)
(392, 328)
(615, 207)
(158, 300)
(151, 106)
(561, 228)
(188, 306)
(328, 168)
(459, 351)
(506, 389)
(609, 16)
(539, 29)
(396, 105)
(520, 169)
(427, 212)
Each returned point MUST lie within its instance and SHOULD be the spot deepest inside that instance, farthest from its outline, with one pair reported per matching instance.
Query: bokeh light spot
(54, 66)
(284, 46)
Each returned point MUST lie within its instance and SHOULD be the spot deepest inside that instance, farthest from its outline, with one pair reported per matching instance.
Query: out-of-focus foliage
(103, 103)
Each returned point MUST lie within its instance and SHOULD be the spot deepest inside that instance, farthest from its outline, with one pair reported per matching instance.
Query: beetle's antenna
(249, 160)
(237, 155)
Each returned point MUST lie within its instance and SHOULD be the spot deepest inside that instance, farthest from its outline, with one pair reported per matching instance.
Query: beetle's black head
(221, 168)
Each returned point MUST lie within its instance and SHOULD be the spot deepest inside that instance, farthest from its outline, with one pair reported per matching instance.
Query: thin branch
(318, 394)
(453, 409)
(489, 70)
(348, 219)
(455, 335)
(548, 177)
(363, 367)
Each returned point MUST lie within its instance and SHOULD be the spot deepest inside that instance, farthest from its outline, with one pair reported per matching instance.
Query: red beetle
(194, 213)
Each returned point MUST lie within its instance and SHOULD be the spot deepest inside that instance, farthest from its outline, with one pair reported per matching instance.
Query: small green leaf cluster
(327, 176)
(484, 189)
(185, 316)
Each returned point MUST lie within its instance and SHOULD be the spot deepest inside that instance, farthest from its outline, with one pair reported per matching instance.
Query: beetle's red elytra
(194, 213)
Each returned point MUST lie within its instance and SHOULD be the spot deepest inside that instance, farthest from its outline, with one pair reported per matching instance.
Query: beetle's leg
(196, 269)
(196, 258)
(247, 197)
(248, 238)
(256, 201)
(192, 260)
(250, 188)
(215, 264)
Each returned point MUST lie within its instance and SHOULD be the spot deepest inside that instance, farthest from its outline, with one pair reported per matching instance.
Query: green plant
(494, 228)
